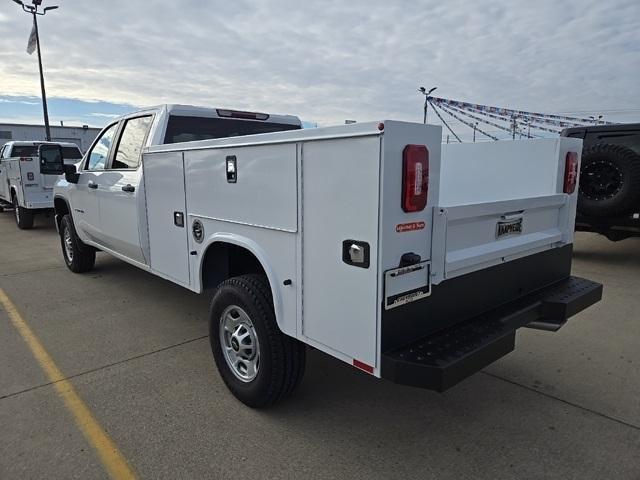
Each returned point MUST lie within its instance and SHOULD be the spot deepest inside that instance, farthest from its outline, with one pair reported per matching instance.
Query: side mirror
(70, 174)
(51, 161)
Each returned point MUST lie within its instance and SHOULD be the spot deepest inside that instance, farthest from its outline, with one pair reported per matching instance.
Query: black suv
(609, 192)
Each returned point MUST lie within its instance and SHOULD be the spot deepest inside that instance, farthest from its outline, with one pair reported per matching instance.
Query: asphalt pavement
(134, 347)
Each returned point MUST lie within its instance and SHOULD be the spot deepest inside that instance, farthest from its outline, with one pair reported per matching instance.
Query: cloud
(332, 60)
(22, 102)
(103, 115)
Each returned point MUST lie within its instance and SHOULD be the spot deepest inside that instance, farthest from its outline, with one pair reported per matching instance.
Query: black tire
(78, 256)
(23, 216)
(617, 235)
(281, 357)
(609, 181)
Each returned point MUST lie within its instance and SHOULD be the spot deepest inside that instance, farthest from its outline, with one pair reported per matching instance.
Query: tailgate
(471, 237)
(500, 201)
(37, 189)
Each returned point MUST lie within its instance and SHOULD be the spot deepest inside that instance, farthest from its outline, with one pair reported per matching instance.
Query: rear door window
(131, 143)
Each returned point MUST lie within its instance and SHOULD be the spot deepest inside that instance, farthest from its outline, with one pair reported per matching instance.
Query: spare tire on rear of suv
(609, 181)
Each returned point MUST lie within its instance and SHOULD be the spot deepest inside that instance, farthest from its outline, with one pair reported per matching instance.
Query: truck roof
(212, 112)
(30, 143)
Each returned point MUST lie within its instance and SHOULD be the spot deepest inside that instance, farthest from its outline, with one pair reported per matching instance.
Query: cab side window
(100, 151)
(131, 143)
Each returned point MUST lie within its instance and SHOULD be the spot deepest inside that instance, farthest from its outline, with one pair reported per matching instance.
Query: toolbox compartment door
(166, 215)
(340, 204)
(471, 237)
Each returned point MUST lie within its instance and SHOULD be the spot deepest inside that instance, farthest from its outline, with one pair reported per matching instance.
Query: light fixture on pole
(426, 100)
(34, 43)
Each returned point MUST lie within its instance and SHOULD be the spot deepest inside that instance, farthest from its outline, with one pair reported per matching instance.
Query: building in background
(81, 136)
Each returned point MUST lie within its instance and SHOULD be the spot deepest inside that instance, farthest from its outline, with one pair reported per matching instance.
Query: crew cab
(22, 187)
(372, 242)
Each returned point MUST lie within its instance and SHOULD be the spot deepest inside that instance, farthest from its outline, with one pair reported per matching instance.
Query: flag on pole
(31, 45)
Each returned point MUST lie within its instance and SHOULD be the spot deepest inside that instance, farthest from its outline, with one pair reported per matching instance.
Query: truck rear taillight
(415, 178)
(570, 173)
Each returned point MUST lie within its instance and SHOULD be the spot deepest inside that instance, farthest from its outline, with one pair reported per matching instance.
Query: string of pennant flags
(516, 120)
(444, 122)
(527, 122)
(470, 124)
(510, 119)
(549, 118)
(483, 120)
(545, 121)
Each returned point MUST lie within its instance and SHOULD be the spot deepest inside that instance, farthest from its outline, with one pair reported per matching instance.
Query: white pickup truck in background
(409, 260)
(22, 186)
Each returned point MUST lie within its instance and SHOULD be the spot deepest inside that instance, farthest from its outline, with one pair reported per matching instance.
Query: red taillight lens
(415, 178)
(570, 173)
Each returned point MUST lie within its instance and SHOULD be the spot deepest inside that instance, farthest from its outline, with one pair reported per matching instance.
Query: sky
(325, 61)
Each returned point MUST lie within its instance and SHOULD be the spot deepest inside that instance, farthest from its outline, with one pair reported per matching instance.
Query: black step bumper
(441, 360)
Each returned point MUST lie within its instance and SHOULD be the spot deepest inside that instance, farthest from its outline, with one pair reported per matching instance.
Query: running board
(441, 360)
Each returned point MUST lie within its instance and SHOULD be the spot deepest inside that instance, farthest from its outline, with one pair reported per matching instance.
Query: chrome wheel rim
(239, 342)
(16, 210)
(68, 245)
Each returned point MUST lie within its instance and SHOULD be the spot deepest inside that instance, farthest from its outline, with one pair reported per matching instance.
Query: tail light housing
(240, 114)
(415, 178)
(570, 173)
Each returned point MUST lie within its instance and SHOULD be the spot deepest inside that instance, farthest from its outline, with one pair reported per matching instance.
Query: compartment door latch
(356, 253)
(232, 169)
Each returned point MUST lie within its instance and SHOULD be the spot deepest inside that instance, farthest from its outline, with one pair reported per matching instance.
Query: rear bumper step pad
(441, 360)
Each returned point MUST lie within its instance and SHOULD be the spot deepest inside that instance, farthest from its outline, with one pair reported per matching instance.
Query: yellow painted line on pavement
(111, 458)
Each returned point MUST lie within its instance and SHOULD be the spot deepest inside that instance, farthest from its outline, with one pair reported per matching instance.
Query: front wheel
(78, 256)
(259, 364)
(24, 216)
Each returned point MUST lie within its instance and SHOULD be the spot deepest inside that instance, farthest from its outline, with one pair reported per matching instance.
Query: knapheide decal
(409, 227)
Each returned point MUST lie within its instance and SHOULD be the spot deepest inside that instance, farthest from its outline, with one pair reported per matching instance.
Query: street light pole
(44, 94)
(426, 105)
(426, 101)
(33, 10)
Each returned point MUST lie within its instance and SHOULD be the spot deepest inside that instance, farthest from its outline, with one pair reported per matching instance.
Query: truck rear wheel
(78, 256)
(609, 181)
(23, 216)
(259, 364)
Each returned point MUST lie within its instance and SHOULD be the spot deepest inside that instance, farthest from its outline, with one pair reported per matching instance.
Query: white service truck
(22, 187)
(365, 241)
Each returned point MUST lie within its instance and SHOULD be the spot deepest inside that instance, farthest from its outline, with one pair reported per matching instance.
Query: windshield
(188, 129)
(71, 153)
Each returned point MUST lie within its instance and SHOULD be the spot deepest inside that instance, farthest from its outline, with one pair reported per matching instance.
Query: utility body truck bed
(365, 241)
(22, 187)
